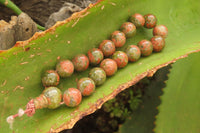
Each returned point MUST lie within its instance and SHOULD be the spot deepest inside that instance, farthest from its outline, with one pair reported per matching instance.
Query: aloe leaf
(22, 66)
(179, 111)
(142, 119)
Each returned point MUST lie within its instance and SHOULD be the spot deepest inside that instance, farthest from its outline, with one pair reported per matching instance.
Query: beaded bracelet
(51, 97)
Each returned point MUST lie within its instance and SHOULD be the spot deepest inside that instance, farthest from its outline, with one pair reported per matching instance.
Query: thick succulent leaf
(179, 111)
(21, 67)
(142, 119)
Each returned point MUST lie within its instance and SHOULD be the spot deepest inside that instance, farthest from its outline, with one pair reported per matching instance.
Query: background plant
(177, 109)
(16, 10)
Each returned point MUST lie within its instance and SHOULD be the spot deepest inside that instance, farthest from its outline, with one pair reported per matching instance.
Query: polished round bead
(109, 66)
(118, 38)
(158, 43)
(86, 86)
(95, 56)
(128, 29)
(133, 53)
(120, 58)
(50, 78)
(81, 62)
(72, 97)
(107, 47)
(137, 19)
(53, 96)
(65, 68)
(98, 75)
(160, 30)
(145, 47)
(150, 21)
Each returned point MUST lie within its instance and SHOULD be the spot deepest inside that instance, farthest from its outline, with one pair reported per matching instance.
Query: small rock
(7, 32)
(66, 11)
(18, 29)
(25, 27)
(84, 3)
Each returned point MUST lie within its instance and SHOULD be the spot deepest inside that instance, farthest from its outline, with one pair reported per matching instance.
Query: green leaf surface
(22, 66)
(179, 111)
(142, 119)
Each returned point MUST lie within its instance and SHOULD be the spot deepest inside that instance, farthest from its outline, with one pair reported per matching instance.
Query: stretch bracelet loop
(105, 60)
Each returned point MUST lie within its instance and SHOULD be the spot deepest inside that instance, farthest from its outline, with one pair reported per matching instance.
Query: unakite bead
(145, 47)
(107, 47)
(158, 43)
(137, 19)
(160, 30)
(53, 96)
(86, 86)
(72, 97)
(98, 75)
(81, 62)
(133, 53)
(109, 66)
(128, 29)
(65, 68)
(50, 78)
(118, 38)
(120, 58)
(95, 56)
(150, 21)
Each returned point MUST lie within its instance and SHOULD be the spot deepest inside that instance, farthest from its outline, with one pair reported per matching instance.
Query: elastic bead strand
(97, 75)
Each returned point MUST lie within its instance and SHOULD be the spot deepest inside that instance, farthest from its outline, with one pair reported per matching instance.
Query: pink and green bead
(86, 86)
(72, 97)
(50, 98)
(133, 52)
(145, 47)
(128, 29)
(158, 43)
(98, 75)
(120, 58)
(160, 30)
(137, 19)
(65, 68)
(81, 62)
(150, 21)
(95, 56)
(118, 38)
(50, 78)
(109, 66)
(107, 47)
